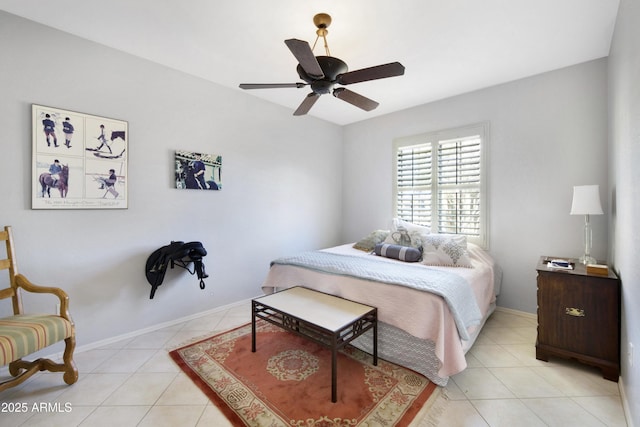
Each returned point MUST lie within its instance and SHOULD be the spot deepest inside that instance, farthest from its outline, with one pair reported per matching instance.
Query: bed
(419, 329)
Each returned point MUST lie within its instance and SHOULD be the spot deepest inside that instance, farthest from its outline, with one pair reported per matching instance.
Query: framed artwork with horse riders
(79, 160)
(198, 171)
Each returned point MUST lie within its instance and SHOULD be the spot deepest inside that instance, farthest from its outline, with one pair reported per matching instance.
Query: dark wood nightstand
(579, 317)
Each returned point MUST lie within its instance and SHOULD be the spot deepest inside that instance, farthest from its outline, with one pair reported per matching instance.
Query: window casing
(440, 181)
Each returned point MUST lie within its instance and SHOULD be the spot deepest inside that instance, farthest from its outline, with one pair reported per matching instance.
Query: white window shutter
(440, 181)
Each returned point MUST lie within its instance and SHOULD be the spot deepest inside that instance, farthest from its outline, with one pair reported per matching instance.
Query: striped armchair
(23, 334)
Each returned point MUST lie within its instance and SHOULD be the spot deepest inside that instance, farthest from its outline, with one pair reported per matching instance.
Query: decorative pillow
(446, 250)
(403, 253)
(406, 234)
(369, 242)
(409, 226)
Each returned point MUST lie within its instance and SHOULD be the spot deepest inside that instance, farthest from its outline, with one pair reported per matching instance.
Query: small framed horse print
(198, 171)
(79, 160)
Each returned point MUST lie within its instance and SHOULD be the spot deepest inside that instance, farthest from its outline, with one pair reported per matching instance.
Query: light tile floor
(505, 385)
(134, 383)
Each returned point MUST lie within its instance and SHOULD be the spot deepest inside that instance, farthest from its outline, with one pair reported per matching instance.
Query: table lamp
(586, 201)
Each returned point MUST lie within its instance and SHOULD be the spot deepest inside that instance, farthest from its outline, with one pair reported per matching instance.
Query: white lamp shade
(586, 200)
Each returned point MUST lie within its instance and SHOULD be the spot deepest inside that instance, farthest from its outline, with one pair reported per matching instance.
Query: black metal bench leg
(334, 367)
(375, 342)
(253, 327)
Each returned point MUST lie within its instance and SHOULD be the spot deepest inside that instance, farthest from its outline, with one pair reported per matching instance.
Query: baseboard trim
(517, 312)
(133, 334)
(625, 402)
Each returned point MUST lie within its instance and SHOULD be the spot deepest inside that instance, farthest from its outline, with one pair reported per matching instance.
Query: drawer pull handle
(574, 312)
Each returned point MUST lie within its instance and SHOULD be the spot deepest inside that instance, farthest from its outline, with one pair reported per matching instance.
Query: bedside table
(579, 317)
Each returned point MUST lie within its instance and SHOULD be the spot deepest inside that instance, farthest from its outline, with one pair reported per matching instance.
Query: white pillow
(404, 233)
(448, 250)
(409, 226)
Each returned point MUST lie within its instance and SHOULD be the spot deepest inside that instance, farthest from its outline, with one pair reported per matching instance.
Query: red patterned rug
(287, 381)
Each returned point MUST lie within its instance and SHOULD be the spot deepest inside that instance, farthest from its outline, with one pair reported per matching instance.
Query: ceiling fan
(322, 73)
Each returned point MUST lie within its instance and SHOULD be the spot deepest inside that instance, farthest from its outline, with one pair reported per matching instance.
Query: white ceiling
(448, 47)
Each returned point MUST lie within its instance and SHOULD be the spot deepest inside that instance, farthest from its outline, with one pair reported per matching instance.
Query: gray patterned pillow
(369, 242)
(403, 253)
(405, 237)
(448, 250)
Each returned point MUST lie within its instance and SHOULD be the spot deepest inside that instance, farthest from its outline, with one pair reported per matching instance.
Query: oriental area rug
(287, 382)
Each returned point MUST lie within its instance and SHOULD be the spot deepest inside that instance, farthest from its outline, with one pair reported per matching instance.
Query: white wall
(281, 183)
(624, 125)
(547, 134)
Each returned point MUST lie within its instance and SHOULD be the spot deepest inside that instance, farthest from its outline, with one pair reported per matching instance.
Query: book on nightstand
(598, 269)
(559, 264)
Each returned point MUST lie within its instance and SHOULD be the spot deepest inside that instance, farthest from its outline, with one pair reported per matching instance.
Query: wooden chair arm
(25, 284)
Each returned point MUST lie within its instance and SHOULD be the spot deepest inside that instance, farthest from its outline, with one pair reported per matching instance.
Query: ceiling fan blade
(303, 53)
(270, 85)
(355, 99)
(392, 69)
(306, 105)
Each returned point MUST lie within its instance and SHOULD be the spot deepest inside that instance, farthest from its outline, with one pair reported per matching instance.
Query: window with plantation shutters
(440, 181)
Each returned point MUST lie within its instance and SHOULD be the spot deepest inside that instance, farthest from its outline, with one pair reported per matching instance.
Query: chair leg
(70, 370)
(14, 370)
(23, 369)
(18, 365)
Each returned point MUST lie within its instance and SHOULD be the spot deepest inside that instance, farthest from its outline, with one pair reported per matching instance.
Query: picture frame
(79, 160)
(198, 171)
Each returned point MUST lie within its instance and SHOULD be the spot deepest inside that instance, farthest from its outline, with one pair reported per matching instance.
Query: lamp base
(587, 259)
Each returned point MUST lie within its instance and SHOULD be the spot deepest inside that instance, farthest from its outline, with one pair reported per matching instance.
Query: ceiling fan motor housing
(331, 67)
